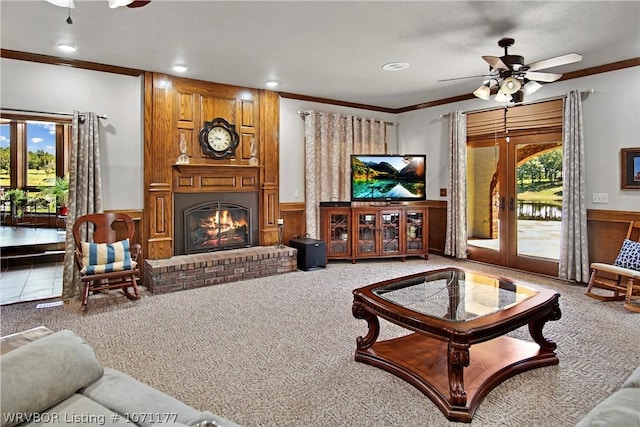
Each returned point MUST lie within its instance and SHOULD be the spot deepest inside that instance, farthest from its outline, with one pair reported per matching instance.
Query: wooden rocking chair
(106, 262)
(618, 277)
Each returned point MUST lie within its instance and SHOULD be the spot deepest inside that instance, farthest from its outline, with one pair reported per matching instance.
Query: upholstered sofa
(621, 409)
(57, 379)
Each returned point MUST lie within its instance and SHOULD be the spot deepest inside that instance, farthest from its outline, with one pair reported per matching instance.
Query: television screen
(379, 177)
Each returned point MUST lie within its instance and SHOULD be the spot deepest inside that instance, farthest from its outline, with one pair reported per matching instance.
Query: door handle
(511, 203)
(502, 203)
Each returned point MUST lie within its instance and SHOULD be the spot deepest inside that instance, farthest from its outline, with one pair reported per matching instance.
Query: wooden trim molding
(56, 60)
(614, 66)
(612, 216)
(337, 102)
(135, 214)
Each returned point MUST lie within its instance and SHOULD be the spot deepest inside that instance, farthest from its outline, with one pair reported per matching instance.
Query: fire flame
(222, 221)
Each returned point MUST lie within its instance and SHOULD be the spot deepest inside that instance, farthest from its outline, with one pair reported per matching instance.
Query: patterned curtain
(370, 136)
(456, 235)
(330, 139)
(85, 188)
(574, 250)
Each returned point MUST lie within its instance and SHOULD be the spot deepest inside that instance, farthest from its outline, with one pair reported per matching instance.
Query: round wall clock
(219, 138)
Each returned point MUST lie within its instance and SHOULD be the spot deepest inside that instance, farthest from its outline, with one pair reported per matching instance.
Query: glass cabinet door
(415, 231)
(367, 226)
(390, 232)
(339, 237)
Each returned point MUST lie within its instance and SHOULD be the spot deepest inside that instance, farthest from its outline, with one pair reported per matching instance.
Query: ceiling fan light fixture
(502, 96)
(63, 3)
(510, 85)
(117, 3)
(530, 87)
(483, 92)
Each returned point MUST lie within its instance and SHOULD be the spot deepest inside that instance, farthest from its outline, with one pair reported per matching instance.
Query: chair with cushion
(104, 261)
(623, 276)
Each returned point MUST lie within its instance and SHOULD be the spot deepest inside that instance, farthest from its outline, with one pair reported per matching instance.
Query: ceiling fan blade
(139, 3)
(495, 62)
(569, 58)
(468, 77)
(542, 77)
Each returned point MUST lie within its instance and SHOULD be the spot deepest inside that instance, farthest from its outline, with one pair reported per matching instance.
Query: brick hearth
(213, 268)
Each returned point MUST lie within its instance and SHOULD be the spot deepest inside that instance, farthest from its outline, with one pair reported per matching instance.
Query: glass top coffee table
(458, 351)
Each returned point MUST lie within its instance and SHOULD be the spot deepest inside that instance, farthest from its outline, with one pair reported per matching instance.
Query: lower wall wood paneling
(606, 230)
(437, 226)
(295, 224)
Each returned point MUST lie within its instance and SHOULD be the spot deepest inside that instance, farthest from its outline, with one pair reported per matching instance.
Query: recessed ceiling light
(272, 83)
(395, 66)
(180, 68)
(67, 47)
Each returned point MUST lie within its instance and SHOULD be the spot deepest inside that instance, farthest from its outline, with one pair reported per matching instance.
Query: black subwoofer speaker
(312, 253)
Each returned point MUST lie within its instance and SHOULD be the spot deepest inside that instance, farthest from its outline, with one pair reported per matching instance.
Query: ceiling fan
(513, 77)
(140, 3)
(69, 4)
(112, 3)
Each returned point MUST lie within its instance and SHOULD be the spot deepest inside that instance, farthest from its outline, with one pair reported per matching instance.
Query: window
(41, 153)
(33, 152)
(5, 155)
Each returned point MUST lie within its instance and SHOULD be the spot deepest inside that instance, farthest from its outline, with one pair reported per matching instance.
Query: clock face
(219, 138)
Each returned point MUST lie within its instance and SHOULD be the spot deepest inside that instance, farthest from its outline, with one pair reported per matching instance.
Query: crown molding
(56, 60)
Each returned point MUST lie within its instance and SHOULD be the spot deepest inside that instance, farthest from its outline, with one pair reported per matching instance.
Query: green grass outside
(548, 194)
(37, 178)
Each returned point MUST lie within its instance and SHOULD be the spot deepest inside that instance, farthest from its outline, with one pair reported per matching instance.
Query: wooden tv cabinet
(375, 231)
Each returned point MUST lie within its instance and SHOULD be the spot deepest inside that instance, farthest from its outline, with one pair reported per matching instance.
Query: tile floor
(31, 282)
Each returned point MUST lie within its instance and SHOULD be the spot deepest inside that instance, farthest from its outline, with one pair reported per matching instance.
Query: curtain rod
(100, 116)
(303, 114)
(583, 93)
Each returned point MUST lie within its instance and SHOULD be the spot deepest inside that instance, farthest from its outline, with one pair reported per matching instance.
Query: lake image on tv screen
(389, 178)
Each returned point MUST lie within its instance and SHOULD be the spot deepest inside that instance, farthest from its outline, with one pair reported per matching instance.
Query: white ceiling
(329, 49)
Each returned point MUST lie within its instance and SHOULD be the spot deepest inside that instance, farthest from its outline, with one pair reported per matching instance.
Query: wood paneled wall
(437, 226)
(294, 216)
(607, 230)
(176, 107)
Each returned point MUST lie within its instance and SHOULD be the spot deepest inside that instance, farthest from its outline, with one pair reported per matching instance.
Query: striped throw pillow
(106, 257)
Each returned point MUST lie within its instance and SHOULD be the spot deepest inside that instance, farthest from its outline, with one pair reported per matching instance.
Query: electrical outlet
(600, 197)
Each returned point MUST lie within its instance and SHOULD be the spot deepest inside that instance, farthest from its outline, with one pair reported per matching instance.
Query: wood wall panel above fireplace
(188, 178)
(177, 106)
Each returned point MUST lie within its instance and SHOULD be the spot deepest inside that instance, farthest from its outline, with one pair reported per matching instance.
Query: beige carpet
(278, 351)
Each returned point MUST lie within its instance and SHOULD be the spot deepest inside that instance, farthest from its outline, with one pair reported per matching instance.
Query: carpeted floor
(278, 351)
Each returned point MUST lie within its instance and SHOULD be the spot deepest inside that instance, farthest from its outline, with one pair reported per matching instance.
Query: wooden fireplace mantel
(215, 178)
(176, 109)
(198, 168)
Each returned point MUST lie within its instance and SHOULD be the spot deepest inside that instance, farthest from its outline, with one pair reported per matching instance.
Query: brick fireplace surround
(213, 268)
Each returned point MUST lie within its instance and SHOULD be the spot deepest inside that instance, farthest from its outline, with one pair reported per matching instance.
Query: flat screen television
(388, 177)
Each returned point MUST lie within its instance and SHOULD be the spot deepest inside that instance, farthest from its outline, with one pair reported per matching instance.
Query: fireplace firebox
(216, 225)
